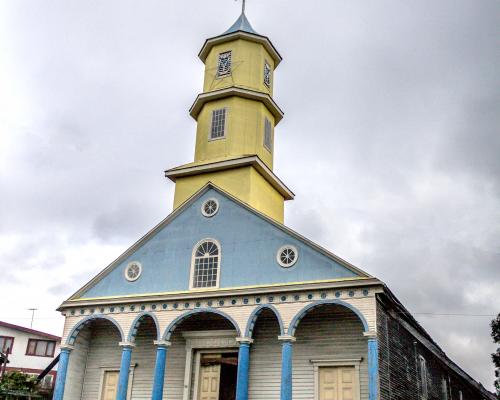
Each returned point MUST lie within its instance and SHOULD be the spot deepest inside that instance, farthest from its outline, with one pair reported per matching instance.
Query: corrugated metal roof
(241, 24)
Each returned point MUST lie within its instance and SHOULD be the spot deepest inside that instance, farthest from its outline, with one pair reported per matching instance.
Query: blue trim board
(302, 313)
(137, 321)
(255, 315)
(171, 327)
(81, 324)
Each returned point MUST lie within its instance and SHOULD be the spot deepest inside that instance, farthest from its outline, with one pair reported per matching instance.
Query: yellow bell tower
(236, 116)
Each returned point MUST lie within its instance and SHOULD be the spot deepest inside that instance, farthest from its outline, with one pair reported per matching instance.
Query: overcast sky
(391, 142)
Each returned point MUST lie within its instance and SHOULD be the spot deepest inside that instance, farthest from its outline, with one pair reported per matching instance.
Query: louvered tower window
(218, 127)
(267, 74)
(206, 265)
(268, 139)
(224, 64)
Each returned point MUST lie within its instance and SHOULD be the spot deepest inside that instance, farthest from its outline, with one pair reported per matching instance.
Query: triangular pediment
(249, 244)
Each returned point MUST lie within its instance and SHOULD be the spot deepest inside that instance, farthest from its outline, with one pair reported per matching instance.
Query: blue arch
(180, 318)
(302, 313)
(137, 321)
(87, 320)
(255, 315)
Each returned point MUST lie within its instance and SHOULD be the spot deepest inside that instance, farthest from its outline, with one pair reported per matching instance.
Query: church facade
(221, 301)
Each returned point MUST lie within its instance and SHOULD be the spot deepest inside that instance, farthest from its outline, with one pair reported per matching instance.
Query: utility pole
(32, 315)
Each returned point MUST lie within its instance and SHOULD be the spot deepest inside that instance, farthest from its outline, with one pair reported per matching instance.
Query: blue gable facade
(249, 244)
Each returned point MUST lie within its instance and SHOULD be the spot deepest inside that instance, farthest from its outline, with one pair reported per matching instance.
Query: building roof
(29, 330)
(241, 24)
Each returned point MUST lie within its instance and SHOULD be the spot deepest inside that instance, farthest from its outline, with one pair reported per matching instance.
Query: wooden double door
(337, 383)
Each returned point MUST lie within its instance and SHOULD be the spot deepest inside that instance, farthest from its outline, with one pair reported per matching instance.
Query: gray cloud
(390, 141)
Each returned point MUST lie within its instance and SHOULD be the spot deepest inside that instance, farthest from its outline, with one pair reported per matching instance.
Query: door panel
(337, 383)
(209, 382)
(110, 385)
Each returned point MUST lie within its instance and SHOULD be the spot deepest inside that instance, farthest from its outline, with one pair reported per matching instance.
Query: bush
(18, 381)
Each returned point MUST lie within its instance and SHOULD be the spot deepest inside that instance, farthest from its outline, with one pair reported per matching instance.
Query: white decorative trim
(287, 338)
(370, 335)
(125, 272)
(126, 344)
(244, 340)
(164, 343)
(216, 209)
(281, 249)
(337, 362)
(210, 339)
(67, 347)
(219, 263)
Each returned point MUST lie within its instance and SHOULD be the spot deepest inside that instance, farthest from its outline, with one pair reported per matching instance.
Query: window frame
(268, 65)
(267, 122)
(11, 345)
(125, 272)
(283, 248)
(229, 72)
(210, 128)
(193, 261)
(445, 388)
(37, 341)
(424, 379)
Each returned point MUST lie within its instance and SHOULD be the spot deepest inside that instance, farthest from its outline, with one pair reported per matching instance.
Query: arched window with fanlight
(205, 265)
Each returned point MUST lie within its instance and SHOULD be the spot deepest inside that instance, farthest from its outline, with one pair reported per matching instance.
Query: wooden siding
(328, 332)
(76, 366)
(265, 359)
(144, 359)
(104, 353)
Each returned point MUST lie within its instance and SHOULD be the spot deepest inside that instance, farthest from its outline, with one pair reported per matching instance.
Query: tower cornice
(264, 40)
(264, 98)
(254, 161)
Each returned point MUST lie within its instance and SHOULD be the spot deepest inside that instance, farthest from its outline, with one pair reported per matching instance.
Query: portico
(272, 349)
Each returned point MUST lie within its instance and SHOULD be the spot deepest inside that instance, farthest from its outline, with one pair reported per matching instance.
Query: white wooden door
(337, 383)
(109, 385)
(209, 382)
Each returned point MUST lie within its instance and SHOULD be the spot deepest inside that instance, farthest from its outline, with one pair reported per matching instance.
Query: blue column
(62, 369)
(372, 368)
(243, 368)
(121, 393)
(286, 368)
(159, 374)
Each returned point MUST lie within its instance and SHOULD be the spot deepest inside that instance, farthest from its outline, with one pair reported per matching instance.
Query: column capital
(287, 338)
(127, 345)
(162, 343)
(66, 348)
(244, 340)
(370, 335)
